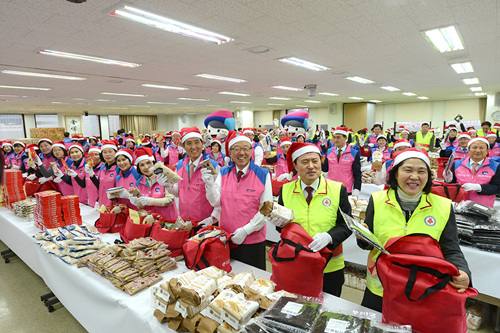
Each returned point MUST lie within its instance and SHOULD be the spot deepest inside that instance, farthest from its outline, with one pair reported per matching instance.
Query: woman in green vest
(408, 207)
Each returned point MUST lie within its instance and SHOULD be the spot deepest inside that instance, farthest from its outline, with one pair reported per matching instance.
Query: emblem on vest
(112, 175)
(131, 185)
(485, 172)
(327, 202)
(157, 189)
(430, 221)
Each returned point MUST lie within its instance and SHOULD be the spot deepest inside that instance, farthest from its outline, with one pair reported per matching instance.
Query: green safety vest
(430, 218)
(423, 142)
(320, 215)
(480, 132)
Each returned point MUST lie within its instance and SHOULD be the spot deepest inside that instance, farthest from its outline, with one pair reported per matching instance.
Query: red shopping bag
(277, 186)
(209, 252)
(32, 187)
(131, 230)
(111, 222)
(292, 260)
(454, 192)
(175, 239)
(415, 278)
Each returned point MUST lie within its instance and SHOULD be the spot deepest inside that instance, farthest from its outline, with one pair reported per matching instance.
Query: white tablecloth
(89, 297)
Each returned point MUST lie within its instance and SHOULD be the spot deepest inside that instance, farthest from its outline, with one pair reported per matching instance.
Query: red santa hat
(93, 137)
(175, 132)
(402, 143)
(471, 129)
(44, 139)
(412, 153)
(298, 149)
(248, 130)
(147, 135)
(464, 135)
(109, 144)
(479, 138)
(381, 136)
(143, 153)
(95, 149)
(7, 143)
(59, 144)
(234, 137)
(189, 133)
(404, 130)
(496, 126)
(19, 143)
(130, 138)
(302, 135)
(491, 133)
(145, 141)
(217, 141)
(285, 141)
(341, 130)
(128, 153)
(31, 145)
(76, 145)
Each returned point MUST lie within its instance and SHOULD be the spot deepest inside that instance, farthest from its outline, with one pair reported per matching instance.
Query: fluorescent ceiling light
(233, 93)
(357, 98)
(139, 106)
(303, 63)
(14, 96)
(241, 102)
(113, 108)
(476, 89)
(480, 94)
(167, 24)
(311, 101)
(25, 88)
(464, 67)
(212, 105)
(49, 76)
(149, 85)
(409, 94)
(286, 88)
(302, 106)
(445, 39)
(192, 99)
(122, 94)
(327, 94)
(281, 98)
(359, 79)
(160, 103)
(88, 58)
(94, 99)
(375, 101)
(275, 104)
(422, 97)
(71, 103)
(471, 81)
(389, 88)
(222, 78)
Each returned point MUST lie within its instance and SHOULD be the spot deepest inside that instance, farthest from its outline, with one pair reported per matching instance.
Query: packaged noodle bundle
(279, 215)
(160, 168)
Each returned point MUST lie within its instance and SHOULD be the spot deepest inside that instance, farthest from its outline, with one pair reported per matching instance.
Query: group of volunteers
(319, 174)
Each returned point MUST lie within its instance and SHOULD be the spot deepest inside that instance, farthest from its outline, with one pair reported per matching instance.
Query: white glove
(320, 241)
(207, 177)
(283, 176)
(135, 201)
(37, 160)
(208, 221)
(43, 180)
(96, 206)
(57, 180)
(25, 175)
(31, 177)
(163, 152)
(443, 145)
(144, 201)
(181, 150)
(17, 167)
(124, 194)
(239, 236)
(58, 173)
(448, 177)
(72, 173)
(370, 145)
(355, 193)
(89, 170)
(472, 187)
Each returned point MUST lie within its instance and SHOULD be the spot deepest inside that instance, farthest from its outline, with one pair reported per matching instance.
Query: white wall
(29, 122)
(246, 118)
(104, 127)
(262, 118)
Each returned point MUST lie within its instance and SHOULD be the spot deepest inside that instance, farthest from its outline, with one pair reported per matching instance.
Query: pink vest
(46, 160)
(158, 156)
(192, 195)
(219, 159)
(77, 189)
(128, 181)
(106, 181)
(460, 155)
(495, 151)
(482, 176)
(386, 153)
(240, 201)
(254, 145)
(279, 150)
(341, 171)
(92, 192)
(372, 138)
(6, 159)
(157, 191)
(173, 155)
(281, 166)
(454, 144)
(64, 188)
(16, 159)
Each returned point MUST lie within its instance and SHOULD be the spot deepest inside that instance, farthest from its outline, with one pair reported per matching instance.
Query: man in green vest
(316, 202)
(425, 139)
(485, 128)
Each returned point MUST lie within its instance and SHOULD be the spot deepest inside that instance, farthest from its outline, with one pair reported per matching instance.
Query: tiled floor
(22, 311)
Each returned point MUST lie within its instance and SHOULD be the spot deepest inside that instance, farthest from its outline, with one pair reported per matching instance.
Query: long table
(93, 300)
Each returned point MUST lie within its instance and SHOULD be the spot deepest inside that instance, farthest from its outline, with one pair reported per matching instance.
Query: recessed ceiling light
(241, 102)
(375, 101)
(359, 79)
(464, 67)
(94, 99)
(139, 106)
(122, 94)
(160, 103)
(480, 94)
(303, 63)
(211, 105)
(311, 101)
(44, 75)
(422, 97)
(222, 78)
(445, 39)
(14, 96)
(287, 88)
(25, 88)
(192, 99)
(357, 98)
(389, 88)
(88, 58)
(281, 98)
(149, 85)
(474, 80)
(233, 93)
(170, 25)
(327, 94)
(409, 94)
(275, 104)
(476, 89)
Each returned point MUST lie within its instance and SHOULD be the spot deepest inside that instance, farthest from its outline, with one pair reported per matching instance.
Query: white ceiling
(378, 40)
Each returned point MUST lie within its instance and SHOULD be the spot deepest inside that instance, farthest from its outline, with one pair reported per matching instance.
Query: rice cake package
(175, 323)
(199, 290)
(212, 272)
(338, 322)
(263, 286)
(244, 279)
(171, 311)
(223, 282)
(187, 310)
(208, 165)
(274, 297)
(160, 316)
(185, 279)
(214, 309)
(192, 323)
(160, 168)
(238, 311)
(207, 325)
(225, 328)
(252, 295)
(295, 312)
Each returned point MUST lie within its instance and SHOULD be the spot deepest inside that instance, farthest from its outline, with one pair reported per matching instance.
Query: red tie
(474, 167)
(309, 190)
(191, 170)
(239, 175)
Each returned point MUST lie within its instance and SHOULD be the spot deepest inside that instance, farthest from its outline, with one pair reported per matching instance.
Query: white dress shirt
(313, 185)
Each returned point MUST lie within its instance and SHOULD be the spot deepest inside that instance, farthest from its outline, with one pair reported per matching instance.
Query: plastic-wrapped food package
(387, 328)
(475, 209)
(295, 312)
(338, 322)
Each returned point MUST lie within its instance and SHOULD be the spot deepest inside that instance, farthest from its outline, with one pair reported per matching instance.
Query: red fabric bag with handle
(175, 239)
(454, 192)
(32, 187)
(131, 230)
(111, 222)
(296, 268)
(415, 277)
(210, 251)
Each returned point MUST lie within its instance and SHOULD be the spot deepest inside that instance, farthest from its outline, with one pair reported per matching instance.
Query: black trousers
(333, 282)
(251, 254)
(372, 301)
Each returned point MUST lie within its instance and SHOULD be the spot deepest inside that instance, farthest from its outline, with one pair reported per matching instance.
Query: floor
(22, 311)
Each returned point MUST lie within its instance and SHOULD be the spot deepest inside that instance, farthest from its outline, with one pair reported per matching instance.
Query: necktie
(191, 170)
(339, 151)
(239, 175)
(309, 190)
(464, 150)
(474, 167)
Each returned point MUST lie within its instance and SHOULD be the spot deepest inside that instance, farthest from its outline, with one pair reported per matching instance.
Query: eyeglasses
(238, 149)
